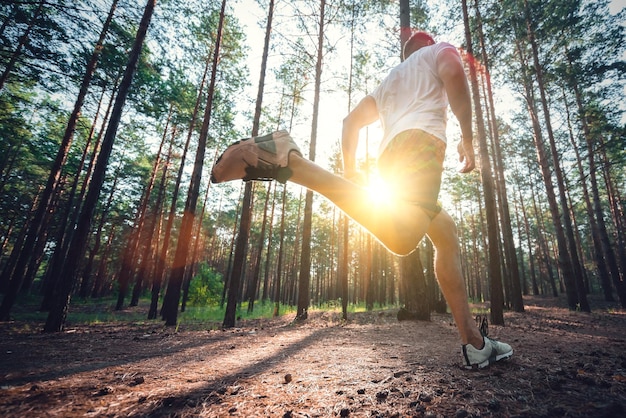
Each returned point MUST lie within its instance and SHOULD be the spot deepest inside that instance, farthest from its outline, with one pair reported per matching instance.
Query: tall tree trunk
(152, 226)
(69, 218)
(281, 252)
(416, 300)
(343, 269)
(231, 247)
(58, 313)
(268, 254)
(305, 261)
(576, 286)
(162, 259)
(545, 251)
(281, 246)
(531, 258)
(199, 240)
(618, 214)
(367, 255)
(495, 272)
(412, 271)
(599, 254)
(99, 284)
(9, 265)
(172, 297)
(137, 236)
(601, 230)
(505, 216)
(520, 251)
(246, 208)
(252, 289)
(565, 265)
(292, 275)
(37, 224)
(85, 290)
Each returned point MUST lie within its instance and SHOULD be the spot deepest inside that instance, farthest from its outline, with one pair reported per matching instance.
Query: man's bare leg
(478, 352)
(443, 233)
(400, 226)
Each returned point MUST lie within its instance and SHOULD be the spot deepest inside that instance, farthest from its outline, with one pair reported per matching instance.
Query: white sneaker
(491, 352)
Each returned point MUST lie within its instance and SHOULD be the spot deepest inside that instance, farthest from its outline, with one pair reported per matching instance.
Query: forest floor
(565, 364)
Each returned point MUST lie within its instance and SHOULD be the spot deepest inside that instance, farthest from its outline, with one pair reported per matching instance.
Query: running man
(411, 104)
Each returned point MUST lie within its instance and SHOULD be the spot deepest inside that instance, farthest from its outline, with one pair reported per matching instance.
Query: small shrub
(206, 287)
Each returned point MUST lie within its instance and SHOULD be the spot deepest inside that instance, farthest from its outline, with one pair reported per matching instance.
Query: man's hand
(362, 115)
(466, 155)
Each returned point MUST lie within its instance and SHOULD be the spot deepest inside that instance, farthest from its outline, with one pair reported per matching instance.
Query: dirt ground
(565, 364)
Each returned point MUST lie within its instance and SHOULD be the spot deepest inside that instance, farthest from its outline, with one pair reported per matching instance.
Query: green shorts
(413, 163)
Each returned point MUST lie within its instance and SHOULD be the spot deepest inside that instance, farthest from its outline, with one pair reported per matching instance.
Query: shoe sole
(489, 361)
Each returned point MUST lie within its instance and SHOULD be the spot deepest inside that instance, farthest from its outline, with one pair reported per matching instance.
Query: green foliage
(580, 45)
(215, 314)
(206, 287)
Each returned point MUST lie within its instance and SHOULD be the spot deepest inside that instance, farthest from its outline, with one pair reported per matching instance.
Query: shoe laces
(483, 325)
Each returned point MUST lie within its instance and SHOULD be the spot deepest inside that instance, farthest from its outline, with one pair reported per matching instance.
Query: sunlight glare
(379, 191)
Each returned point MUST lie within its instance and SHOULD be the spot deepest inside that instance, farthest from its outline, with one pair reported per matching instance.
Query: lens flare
(379, 191)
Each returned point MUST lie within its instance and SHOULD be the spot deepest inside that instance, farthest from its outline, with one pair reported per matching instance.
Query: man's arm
(452, 74)
(362, 115)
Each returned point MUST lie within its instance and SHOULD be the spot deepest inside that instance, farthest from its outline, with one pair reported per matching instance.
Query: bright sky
(333, 107)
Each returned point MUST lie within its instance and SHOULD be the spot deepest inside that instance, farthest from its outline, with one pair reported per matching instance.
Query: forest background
(112, 115)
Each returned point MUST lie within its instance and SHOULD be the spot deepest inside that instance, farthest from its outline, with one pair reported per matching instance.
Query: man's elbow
(347, 126)
(348, 121)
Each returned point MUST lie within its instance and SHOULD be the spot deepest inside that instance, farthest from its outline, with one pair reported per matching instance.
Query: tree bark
(253, 288)
(564, 262)
(246, 208)
(137, 236)
(577, 296)
(37, 224)
(172, 297)
(305, 261)
(497, 297)
(85, 289)
(56, 318)
(162, 259)
(281, 253)
(599, 254)
(268, 254)
(602, 234)
(152, 226)
(505, 216)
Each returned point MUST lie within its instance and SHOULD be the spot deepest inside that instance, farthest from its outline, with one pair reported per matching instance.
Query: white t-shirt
(412, 96)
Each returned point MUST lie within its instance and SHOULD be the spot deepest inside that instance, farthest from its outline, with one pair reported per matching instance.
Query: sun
(378, 190)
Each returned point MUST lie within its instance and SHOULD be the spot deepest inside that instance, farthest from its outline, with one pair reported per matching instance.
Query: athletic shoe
(258, 158)
(491, 352)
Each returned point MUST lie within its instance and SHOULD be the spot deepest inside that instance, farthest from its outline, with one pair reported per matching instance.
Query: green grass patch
(85, 312)
(214, 315)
